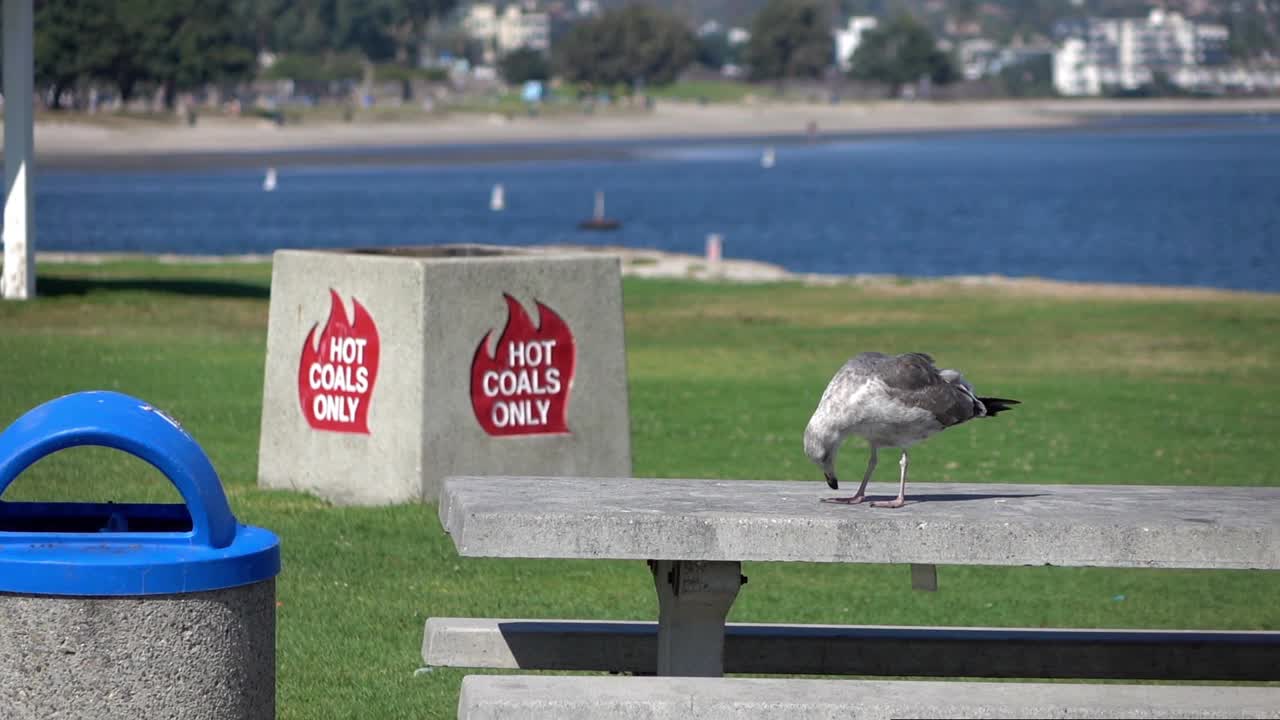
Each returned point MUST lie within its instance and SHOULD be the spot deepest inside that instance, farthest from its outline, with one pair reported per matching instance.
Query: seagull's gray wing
(913, 380)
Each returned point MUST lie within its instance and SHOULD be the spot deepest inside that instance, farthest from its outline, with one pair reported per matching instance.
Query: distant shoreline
(219, 143)
(660, 264)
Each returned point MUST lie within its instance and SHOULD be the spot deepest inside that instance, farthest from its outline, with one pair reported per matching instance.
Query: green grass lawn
(722, 381)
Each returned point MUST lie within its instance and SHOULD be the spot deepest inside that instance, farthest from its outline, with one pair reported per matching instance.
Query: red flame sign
(522, 386)
(337, 371)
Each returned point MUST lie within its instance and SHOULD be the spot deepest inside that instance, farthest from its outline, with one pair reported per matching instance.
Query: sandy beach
(471, 137)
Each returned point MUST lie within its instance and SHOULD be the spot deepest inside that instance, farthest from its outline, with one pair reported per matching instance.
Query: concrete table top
(961, 524)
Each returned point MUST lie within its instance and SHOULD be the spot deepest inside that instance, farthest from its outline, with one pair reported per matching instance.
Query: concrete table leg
(924, 577)
(694, 598)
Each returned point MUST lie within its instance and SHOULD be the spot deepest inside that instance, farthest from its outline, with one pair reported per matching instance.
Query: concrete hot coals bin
(131, 610)
(389, 370)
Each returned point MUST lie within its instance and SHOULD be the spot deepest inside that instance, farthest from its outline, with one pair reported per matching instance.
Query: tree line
(178, 45)
(1254, 24)
(789, 39)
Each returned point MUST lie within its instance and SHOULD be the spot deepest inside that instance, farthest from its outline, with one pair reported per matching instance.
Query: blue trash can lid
(106, 549)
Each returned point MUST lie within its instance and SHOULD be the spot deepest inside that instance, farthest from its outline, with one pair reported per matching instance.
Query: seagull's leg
(902, 488)
(866, 476)
(862, 489)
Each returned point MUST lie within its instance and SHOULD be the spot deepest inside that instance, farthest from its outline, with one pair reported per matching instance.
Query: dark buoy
(598, 221)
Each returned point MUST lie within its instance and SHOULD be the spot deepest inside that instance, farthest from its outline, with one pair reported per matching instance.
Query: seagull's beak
(832, 482)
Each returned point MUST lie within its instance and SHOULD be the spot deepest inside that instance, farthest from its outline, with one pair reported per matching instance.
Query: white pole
(714, 247)
(19, 279)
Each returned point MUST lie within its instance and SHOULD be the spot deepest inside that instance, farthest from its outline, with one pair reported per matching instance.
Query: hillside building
(1098, 55)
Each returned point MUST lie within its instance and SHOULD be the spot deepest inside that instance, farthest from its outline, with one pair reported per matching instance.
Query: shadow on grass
(59, 286)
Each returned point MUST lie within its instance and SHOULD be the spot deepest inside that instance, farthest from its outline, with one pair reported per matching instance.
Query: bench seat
(524, 697)
(631, 647)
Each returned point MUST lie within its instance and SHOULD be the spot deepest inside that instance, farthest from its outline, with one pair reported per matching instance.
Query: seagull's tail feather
(996, 406)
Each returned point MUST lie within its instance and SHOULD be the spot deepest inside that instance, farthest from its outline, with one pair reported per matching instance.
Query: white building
(1234, 77)
(710, 27)
(848, 40)
(1126, 53)
(481, 23)
(981, 58)
(977, 56)
(511, 29)
(518, 29)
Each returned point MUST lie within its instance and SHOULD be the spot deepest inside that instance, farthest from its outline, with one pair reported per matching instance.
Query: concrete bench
(696, 533)
(507, 697)
(757, 649)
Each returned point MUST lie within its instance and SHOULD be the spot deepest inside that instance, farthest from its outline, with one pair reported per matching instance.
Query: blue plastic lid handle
(115, 420)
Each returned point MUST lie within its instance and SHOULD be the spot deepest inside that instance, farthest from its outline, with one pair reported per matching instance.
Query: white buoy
(269, 182)
(768, 158)
(498, 198)
(598, 221)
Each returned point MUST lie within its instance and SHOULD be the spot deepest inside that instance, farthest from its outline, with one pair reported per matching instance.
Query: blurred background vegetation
(175, 55)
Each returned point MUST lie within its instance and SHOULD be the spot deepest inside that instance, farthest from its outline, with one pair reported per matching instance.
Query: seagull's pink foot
(894, 503)
(852, 500)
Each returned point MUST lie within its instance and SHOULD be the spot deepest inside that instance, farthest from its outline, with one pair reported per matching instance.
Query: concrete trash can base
(131, 610)
(198, 655)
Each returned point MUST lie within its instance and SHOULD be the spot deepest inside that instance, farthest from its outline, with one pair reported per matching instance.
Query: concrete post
(18, 281)
(694, 598)
(924, 577)
(463, 360)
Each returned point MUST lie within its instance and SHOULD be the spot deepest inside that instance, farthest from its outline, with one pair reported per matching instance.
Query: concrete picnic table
(696, 533)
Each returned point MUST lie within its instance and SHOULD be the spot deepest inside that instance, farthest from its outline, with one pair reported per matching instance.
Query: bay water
(1168, 203)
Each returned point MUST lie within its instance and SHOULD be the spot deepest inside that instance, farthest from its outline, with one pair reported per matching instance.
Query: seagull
(890, 401)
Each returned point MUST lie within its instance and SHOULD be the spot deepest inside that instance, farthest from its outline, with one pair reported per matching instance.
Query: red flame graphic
(337, 371)
(522, 387)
